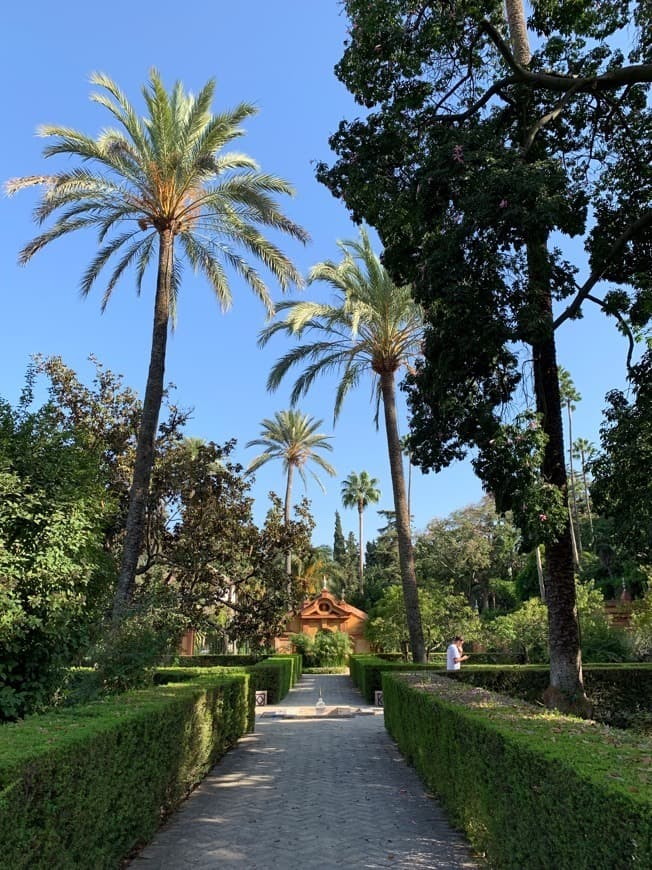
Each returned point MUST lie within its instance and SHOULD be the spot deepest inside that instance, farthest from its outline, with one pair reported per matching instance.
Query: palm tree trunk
(542, 585)
(405, 551)
(571, 528)
(518, 34)
(288, 503)
(575, 519)
(361, 567)
(586, 493)
(148, 427)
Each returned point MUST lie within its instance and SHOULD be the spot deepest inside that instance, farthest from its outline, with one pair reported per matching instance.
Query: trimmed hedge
(277, 674)
(210, 661)
(530, 789)
(84, 786)
(621, 694)
(163, 676)
(367, 670)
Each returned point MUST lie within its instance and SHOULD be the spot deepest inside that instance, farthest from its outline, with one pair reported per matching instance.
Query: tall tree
(472, 155)
(585, 451)
(292, 437)
(339, 545)
(569, 394)
(372, 327)
(622, 486)
(358, 491)
(162, 187)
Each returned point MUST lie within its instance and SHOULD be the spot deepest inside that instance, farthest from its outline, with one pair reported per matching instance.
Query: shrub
(619, 694)
(84, 786)
(303, 643)
(331, 648)
(366, 672)
(128, 652)
(642, 626)
(208, 660)
(530, 789)
(277, 674)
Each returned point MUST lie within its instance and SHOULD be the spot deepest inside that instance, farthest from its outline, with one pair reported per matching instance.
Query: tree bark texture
(288, 503)
(149, 424)
(566, 689)
(360, 513)
(405, 551)
(575, 517)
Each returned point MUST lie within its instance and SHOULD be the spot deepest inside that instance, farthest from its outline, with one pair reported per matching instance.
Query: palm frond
(15, 184)
(130, 255)
(221, 129)
(61, 228)
(99, 261)
(197, 117)
(123, 111)
(144, 259)
(202, 259)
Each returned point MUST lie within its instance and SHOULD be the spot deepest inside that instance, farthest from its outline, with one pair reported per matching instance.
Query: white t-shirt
(452, 653)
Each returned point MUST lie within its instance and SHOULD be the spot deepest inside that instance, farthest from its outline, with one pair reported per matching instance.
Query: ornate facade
(325, 613)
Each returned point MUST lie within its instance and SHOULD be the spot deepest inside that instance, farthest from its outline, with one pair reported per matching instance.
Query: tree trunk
(575, 517)
(566, 689)
(148, 427)
(586, 493)
(360, 512)
(542, 585)
(518, 34)
(288, 502)
(571, 529)
(405, 551)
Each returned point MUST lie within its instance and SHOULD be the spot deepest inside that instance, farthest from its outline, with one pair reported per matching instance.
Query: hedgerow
(82, 787)
(530, 788)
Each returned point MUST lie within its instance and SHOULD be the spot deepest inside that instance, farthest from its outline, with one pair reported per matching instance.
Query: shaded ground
(307, 792)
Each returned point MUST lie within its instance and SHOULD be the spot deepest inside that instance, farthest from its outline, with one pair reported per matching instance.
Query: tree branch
(609, 81)
(625, 325)
(632, 230)
(550, 116)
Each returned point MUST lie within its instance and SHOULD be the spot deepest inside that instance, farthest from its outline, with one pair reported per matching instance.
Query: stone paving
(307, 792)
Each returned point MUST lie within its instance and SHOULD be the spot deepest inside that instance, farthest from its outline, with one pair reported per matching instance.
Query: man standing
(454, 654)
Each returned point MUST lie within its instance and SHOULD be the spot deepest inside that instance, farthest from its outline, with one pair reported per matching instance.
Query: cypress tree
(339, 544)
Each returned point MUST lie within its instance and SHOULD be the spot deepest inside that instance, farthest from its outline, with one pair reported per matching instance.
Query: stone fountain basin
(324, 712)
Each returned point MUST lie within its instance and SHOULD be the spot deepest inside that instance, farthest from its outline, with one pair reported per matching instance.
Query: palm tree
(359, 490)
(584, 450)
(373, 327)
(569, 395)
(292, 437)
(153, 183)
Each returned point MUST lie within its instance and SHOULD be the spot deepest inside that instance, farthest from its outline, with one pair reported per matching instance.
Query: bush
(129, 651)
(207, 660)
(303, 643)
(530, 789)
(367, 670)
(642, 626)
(525, 631)
(165, 675)
(84, 786)
(619, 694)
(277, 674)
(331, 648)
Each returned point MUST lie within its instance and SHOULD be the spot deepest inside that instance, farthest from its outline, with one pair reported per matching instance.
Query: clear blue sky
(280, 56)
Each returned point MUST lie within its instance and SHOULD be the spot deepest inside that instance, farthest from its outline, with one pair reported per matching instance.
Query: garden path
(307, 791)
